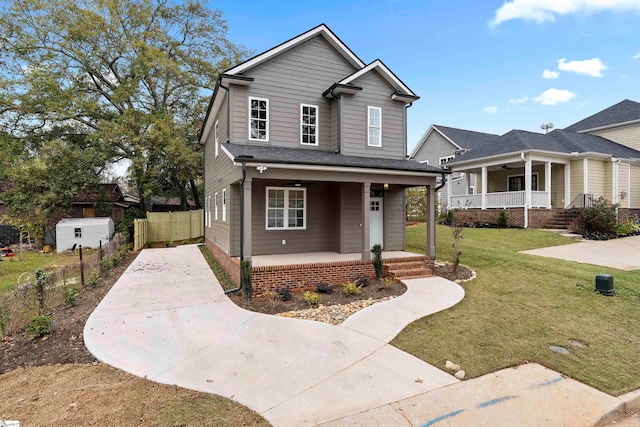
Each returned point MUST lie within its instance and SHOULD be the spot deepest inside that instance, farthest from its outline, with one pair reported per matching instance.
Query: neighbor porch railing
(506, 199)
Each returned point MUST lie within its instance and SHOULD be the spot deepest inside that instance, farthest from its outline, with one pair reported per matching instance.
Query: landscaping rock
(333, 314)
(558, 349)
(460, 374)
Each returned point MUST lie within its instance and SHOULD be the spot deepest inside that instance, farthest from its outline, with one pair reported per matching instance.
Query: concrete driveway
(623, 254)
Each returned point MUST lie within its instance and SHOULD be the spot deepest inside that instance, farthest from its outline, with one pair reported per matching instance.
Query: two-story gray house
(305, 165)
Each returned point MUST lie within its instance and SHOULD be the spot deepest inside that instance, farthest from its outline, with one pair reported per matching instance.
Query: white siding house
(87, 232)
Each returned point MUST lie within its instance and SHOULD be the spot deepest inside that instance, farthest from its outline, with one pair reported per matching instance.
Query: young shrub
(245, 278)
(456, 230)
(324, 288)
(70, 294)
(377, 260)
(600, 217)
(94, 279)
(350, 288)
(502, 219)
(40, 326)
(448, 217)
(387, 282)
(284, 294)
(106, 265)
(312, 298)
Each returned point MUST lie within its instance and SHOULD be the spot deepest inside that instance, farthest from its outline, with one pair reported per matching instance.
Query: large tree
(133, 76)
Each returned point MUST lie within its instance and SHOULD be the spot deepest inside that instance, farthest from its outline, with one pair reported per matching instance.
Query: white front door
(376, 222)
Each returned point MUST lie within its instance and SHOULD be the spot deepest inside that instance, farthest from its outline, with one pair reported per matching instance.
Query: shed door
(376, 221)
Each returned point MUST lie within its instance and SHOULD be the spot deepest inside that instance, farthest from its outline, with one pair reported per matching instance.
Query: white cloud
(548, 74)
(636, 56)
(516, 101)
(541, 11)
(490, 110)
(589, 67)
(554, 96)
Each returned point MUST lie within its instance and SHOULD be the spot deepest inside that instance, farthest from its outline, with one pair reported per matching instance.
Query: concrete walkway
(623, 254)
(168, 320)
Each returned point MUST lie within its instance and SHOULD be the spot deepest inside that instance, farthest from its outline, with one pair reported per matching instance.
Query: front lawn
(520, 304)
(11, 270)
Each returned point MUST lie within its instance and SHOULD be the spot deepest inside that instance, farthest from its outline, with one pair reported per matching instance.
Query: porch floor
(318, 257)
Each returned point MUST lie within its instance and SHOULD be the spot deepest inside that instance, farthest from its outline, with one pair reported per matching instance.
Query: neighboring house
(441, 144)
(305, 152)
(108, 200)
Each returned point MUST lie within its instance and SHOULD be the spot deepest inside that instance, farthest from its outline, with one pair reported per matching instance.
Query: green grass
(520, 304)
(11, 270)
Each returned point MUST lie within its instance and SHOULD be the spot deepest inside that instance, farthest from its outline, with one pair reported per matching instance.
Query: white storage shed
(87, 232)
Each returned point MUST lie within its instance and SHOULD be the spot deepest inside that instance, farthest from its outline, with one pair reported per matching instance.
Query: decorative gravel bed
(333, 314)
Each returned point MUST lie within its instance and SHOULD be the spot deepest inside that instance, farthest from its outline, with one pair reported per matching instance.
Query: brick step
(403, 265)
(414, 272)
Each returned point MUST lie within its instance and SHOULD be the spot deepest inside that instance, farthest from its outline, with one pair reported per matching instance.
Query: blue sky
(483, 65)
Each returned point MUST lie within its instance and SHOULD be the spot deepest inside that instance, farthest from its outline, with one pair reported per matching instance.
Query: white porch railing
(506, 199)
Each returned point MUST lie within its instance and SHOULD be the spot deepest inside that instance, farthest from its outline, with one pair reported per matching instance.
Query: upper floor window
(374, 133)
(446, 159)
(215, 206)
(425, 162)
(224, 205)
(308, 124)
(258, 119)
(216, 135)
(286, 208)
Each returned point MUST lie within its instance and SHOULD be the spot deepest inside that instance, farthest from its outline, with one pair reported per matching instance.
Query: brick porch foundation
(515, 216)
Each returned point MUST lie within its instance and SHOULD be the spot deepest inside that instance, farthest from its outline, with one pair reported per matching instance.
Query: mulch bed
(65, 344)
(446, 271)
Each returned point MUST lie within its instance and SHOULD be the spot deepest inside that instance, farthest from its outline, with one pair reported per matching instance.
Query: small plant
(40, 325)
(600, 217)
(170, 244)
(363, 282)
(284, 294)
(350, 288)
(377, 260)
(502, 219)
(245, 278)
(70, 294)
(387, 282)
(106, 264)
(324, 288)
(312, 298)
(456, 230)
(448, 218)
(94, 279)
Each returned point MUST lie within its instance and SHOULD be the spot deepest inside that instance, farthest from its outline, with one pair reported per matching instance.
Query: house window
(446, 159)
(374, 119)
(516, 182)
(308, 124)
(77, 233)
(216, 134)
(258, 119)
(224, 205)
(215, 206)
(425, 162)
(208, 213)
(472, 189)
(286, 208)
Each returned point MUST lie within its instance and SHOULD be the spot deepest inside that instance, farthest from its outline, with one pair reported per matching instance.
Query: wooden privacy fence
(168, 226)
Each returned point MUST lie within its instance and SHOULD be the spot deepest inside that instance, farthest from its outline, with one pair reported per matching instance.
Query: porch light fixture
(261, 168)
(386, 186)
(297, 184)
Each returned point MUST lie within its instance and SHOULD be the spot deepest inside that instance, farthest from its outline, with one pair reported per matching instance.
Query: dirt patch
(99, 395)
(269, 304)
(65, 344)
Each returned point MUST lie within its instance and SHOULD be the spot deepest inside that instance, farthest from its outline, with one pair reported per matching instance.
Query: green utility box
(604, 284)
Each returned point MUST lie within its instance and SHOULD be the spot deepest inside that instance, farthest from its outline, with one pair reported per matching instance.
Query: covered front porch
(525, 181)
(322, 257)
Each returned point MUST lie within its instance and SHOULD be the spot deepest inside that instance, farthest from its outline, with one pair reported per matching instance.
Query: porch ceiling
(318, 257)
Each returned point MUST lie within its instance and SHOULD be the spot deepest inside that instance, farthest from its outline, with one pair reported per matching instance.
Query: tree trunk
(194, 193)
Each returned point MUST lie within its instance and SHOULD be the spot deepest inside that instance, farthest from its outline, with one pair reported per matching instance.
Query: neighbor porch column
(614, 180)
(247, 218)
(547, 182)
(366, 221)
(430, 217)
(484, 187)
(527, 191)
(567, 185)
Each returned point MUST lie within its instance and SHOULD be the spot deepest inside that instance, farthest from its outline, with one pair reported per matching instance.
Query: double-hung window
(308, 124)
(215, 206)
(286, 208)
(374, 128)
(446, 159)
(224, 205)
(216, 136)
(258, 119)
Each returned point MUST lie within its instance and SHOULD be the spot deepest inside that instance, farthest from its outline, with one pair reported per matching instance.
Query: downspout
(338, 99)
(244, 177)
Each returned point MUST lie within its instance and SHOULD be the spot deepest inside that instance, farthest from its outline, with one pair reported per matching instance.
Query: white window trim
(224, 205)
(286, 209)
(206, 211)
(534, 174)
(445, 159)
(216, 136)
(252, 98)
(369, 108)
(215, 206)
(209, 211)
(472, 190)
(316, 126)
(425, 162)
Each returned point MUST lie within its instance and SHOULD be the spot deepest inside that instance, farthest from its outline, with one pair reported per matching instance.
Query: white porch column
(484, 187)
(527, 191)
(547, 182)
(247, 218)
(431, 221)
(366, 221)
(567, 185)
(449, 187)
(614, 180)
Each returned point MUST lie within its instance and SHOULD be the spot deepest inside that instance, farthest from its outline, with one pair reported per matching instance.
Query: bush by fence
(38, 291)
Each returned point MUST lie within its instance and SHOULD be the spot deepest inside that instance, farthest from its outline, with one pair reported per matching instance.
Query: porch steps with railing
(562, 219)
(408, 268)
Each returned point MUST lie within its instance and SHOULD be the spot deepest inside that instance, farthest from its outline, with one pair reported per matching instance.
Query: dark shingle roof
(622, 112)
(467, 139)
(558, 141)
(300, 156)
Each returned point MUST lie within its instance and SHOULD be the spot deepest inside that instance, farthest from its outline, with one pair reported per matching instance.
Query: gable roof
(385, 72)
(300, 156)
(558, 141)
(461, 138)
(624, 112)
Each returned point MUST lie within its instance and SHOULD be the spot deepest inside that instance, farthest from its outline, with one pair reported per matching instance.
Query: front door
(376, 221)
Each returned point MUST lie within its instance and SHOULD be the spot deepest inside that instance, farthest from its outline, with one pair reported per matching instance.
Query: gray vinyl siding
(351, 218)
(222, 122)
(298, 76)
(394, 219)
(375, 93)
